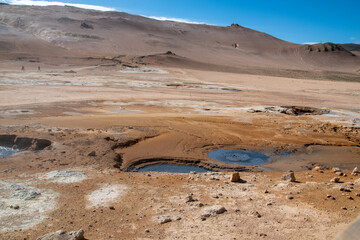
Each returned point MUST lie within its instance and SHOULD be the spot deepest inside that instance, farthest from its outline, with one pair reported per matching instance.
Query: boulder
(290, 177)
(62, 235)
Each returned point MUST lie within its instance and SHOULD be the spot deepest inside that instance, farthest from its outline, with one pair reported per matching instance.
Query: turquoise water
(241, 157)
(172, 168)
(7, 152)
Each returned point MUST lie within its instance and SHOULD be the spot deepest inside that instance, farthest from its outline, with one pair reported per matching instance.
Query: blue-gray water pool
(7, 152)
(172, 168)
(241, 157)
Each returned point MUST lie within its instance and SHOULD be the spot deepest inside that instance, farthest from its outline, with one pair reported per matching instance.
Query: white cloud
(174, 19)
(52, 3)
(353, 38)
(310, 43)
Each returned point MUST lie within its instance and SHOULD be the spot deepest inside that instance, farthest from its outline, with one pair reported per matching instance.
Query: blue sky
(295, 21)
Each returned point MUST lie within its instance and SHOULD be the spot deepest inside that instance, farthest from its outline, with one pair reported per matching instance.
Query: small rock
(164, 219)
(358, 194)
(147, 230)
(328, 196)
(289, 197)
(255, 213)
(177, 218)
(266, 191)
(92, 154)
(212, 210)
(335, 170)
(356, 171)
(61, 235)
(335, 180)
(290, 177)
(111, 207)
(235, 177)
(344, 208)
(317, 169)
(339, 173)
(269, 204)
(200, 204)
(349, 197)
(189, 198)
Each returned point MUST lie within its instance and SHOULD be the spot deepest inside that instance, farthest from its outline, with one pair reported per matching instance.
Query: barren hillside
(53, 32)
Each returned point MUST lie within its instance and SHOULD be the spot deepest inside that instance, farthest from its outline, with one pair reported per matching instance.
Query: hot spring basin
(241, 157)
(7, 151)
(173, 168)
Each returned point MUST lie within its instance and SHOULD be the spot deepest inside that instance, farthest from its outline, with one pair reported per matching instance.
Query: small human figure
(23, 68)
(38, 68)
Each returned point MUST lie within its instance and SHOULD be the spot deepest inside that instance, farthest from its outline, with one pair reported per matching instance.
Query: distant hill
(55, 32)
(351, 46)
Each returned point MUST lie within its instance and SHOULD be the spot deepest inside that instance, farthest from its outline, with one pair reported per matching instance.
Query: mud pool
(7, 152)
(172, 168)
(241, 157)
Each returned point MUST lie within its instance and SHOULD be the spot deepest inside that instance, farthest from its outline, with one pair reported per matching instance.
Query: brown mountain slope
(57, 31)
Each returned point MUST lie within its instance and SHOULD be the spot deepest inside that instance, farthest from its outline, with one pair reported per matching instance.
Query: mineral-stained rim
(24, 143)
(136, 165)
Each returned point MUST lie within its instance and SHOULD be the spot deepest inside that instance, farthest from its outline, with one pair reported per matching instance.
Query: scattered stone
(358, 194)
(147, 230)
(349, 197)
(86, 25)
(92, 154)
(290, 177)
(164, 219)
(356, 171)
(177, 218)
(62, 235)
(189, 198)
(340, 173)
(111, 207)
(235, 177)
(200, 204)
(335, 180)
(328, 196)
(289, 197)
(344, 208)
(342, 188)
(255, 213)
(266, 191)
(317, 169)
(335, 170)
(269, 204)
(212, 210)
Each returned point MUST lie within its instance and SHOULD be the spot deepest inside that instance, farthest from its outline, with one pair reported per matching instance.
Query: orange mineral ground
(131, 92)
